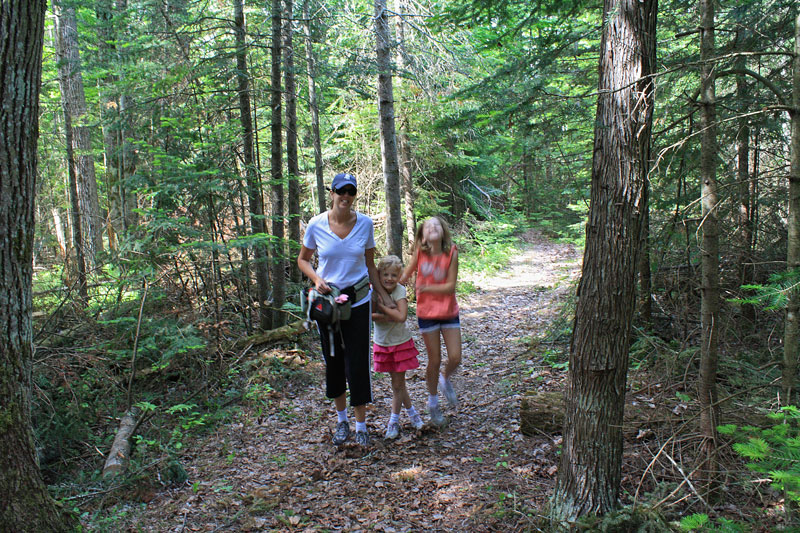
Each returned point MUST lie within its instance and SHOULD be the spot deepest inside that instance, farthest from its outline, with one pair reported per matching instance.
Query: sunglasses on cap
(349, 190)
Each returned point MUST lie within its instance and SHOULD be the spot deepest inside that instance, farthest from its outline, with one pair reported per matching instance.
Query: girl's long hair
(447, 239)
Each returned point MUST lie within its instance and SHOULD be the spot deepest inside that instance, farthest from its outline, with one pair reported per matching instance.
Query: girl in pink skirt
(393, 350)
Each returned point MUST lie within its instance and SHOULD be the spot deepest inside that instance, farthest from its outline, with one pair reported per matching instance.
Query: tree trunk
(73, 98)
(745, 259)
(391, 171)
(292, 166)
(645, 278)
(121, 202)
(404, 149)
(590, 468)
(313, 105)
(278, 255)
(77, 215)
(792, 327)
(256, 205)
(709, 305)
(25, 504)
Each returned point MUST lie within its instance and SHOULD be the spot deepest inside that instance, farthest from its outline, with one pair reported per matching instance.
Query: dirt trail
(279, 472)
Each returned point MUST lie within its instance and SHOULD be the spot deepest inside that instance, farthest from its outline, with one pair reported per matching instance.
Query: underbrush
(149, 349)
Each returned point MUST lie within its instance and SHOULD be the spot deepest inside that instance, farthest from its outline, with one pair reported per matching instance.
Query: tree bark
(792, 327)
(389, 158)
(709, 305)
(119, 454)
(313, 104)
(591, 460)
(745, 229)
(75, 211)
(74, 99)
(117, 151)
(256, 205)
(277, 253)
(25, 504)
(403, 146)
(645, 277)
(292, 166)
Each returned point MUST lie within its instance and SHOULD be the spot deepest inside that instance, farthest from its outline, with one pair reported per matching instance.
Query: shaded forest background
(184, 143)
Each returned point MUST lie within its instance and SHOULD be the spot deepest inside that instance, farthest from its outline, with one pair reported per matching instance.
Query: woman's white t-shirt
(341, 261)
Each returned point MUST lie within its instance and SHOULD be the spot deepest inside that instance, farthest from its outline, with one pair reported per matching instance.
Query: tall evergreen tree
(74, 101)
(791, 336)
(25, 504)
(709, 305)
(292, 165)
(278, 254)
(254, 193)
(391, 169)
(590, 467)
(313, 106)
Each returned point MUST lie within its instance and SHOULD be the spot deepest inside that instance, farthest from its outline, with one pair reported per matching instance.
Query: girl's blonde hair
(447, 239)
(389, 261)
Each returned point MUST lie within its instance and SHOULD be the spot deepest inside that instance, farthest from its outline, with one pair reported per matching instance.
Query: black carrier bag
(326, 312)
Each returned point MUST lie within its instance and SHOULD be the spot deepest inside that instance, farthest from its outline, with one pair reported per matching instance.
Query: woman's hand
(322, 287)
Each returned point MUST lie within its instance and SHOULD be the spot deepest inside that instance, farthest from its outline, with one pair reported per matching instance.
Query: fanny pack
(329, 310)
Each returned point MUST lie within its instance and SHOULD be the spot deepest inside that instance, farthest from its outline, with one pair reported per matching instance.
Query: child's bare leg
(434, 349)
(452, 342)
(400, 395)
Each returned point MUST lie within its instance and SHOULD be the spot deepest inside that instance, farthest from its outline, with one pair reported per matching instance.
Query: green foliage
(488, 246)
(772, 451)
(774, 294)
(700, 522)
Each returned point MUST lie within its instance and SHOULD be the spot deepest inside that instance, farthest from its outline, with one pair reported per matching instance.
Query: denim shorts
(427, 325)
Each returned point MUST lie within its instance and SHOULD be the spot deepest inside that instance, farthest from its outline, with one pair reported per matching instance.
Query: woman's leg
(360, 412)
(341, 402)
(452, 342)
(434, 348)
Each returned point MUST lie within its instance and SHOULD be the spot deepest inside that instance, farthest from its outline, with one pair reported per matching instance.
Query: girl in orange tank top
(435, 262)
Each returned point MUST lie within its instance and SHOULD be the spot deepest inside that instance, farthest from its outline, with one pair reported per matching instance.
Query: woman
(345, 244)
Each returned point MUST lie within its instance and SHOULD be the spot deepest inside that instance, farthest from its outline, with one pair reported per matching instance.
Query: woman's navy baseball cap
(340, 180)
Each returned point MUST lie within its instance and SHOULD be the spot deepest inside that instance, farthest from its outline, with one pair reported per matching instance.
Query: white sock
(411, 411)
(361, 426)
(394, 418)
(342, 415)
(433, 400)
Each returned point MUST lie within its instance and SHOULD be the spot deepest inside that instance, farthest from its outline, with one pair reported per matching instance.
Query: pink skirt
(395, 358)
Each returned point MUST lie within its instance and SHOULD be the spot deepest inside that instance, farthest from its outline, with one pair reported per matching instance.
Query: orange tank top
(432, 269)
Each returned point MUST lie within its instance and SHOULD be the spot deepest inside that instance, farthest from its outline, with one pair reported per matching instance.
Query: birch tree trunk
(292, 166)
(278, 255)
(391, 171)
(25, 504)
(709, 305)
(74, 100)
(256, 205)
(590, 468)
(792, 327)
(313, 104)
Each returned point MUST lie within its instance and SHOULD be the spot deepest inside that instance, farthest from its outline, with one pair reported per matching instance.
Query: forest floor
(274, 467)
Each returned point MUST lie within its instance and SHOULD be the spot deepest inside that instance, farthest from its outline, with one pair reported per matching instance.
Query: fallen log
(284, 332)
(541, 412)
(118, 457)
